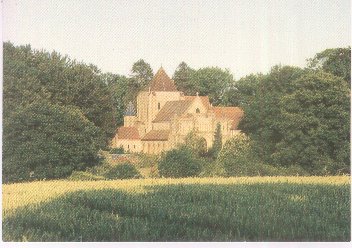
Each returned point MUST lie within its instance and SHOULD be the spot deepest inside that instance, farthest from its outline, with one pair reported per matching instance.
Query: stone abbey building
(165, 116)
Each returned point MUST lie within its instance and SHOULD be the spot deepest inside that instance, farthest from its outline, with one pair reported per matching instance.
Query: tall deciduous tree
(44, 140)
(243, 92)
(212, 82)
(316, 125)
(119, 88)
(183, 79)
(31, 75)
(142, 73)
(262, 113)
(336, 61)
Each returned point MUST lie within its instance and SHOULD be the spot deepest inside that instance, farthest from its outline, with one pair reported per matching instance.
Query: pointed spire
(130, 110)
(162, 82)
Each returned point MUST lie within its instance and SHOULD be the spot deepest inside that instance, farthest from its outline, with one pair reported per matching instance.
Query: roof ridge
(162, 82)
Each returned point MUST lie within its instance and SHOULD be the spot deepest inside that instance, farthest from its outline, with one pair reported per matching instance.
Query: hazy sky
(244, 36)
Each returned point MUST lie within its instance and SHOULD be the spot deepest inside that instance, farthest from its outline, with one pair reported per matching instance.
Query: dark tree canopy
(31, 75)
(316, 125)
(183, 79)
(142, 73)
(42, 140)
(179, 162)
(119, 88)
(217, 144)
(262, 113)
(212, 82)
(243, 92)
(336, 61)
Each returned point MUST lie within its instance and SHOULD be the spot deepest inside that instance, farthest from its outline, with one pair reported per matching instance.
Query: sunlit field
(190, 209)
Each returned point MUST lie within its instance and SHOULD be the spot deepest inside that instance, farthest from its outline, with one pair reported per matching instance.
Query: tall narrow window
(197, 111)
(158, 105)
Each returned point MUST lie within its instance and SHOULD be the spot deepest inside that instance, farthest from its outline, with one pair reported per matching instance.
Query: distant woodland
(58, 113)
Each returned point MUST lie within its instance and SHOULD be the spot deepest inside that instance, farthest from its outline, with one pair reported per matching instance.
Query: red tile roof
(157, 135)
(130, 133)
(162, 82)
(232, 113)
(170, 109)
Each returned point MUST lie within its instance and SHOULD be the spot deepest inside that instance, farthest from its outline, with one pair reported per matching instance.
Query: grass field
(192, 209)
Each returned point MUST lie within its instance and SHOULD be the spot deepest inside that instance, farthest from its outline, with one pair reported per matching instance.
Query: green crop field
(192, 209)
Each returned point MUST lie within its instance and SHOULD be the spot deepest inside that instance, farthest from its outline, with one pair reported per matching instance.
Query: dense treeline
(293, 116)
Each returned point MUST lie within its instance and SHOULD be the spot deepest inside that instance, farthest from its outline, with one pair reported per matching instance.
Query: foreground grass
(193, 209)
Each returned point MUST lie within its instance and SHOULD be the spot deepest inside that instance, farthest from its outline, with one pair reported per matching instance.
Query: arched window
(197, 111)
(158, 105)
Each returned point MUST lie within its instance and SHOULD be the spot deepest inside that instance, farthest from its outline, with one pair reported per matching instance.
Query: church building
(165, 116)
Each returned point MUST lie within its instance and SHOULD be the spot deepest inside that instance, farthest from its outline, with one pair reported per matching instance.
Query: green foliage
(208, 81)
(119, 88)
(217, 144)
(31, 75)
(236, 157)
(263, 117)
(183, 79)
(336, 61)
(84, 176)
(117, 150)
(196, 143)
(212, 82)
(316, 123)
(179, 162)
(43, 140)
(147, 160)
(142, 74)
(122, 171)
(243, 92)
(193, 212)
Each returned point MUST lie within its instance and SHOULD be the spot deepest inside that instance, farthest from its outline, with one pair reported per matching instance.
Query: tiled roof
(170, 109)
(157, 135)
(204, 99)
(162, 82)
(233, 113)
(130, 133)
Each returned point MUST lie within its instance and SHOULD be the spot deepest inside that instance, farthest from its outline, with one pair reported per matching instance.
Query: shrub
(44, 140)
(210, 168)
(84, 176)
(236, 157)
(196, 143)
(179, 162)
(117, 150)
(122, 171)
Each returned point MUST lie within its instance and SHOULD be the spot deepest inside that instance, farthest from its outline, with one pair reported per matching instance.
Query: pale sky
(246, 36)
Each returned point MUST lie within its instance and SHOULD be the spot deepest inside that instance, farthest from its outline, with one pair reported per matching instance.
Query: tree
(122, 171)
(183, 79)
(262, 113)
(316, 125)
(212, 81)
(236, 157)
(142, 74)
(243, 91)
(44, 140)
(31, 75)
(196, 143)
(336, 61)
(217, 144)
(179, 162)
(119, 88)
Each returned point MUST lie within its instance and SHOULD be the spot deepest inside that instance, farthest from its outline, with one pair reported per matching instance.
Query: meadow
(187, 209)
